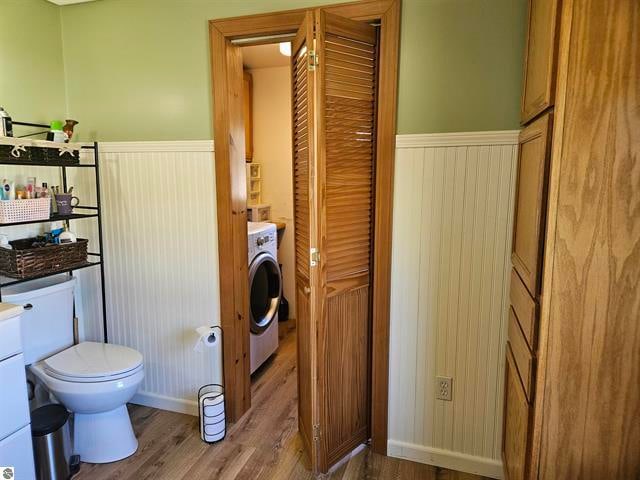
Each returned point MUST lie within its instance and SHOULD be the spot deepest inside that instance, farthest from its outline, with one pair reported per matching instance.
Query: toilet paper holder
(206, 337)
(211, 406)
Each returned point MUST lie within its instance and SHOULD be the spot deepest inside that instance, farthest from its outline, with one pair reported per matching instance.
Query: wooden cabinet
(531, 201)
(590, 428)
(247, 91)
(571, 387)
(540, 58)
(527, 250)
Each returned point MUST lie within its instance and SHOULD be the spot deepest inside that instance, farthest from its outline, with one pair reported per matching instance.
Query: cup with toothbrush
(65, 202)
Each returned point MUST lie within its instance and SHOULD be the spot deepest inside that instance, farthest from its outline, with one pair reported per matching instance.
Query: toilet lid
(93, 360)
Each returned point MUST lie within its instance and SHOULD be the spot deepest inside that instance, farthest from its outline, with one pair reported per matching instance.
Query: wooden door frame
(231, 198)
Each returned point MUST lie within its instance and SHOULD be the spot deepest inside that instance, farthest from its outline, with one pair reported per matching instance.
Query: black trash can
(52, 443)
(283, 307)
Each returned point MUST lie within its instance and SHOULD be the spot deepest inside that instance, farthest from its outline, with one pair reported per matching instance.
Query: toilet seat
(91, 362)
(69, 378)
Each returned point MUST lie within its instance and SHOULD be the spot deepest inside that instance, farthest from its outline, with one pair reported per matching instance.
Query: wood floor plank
(262, 445)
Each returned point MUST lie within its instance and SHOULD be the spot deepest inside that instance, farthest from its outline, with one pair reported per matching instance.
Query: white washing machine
(265, 291)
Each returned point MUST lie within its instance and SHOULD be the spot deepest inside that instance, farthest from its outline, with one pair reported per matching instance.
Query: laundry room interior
(267, 116)
(319, 239)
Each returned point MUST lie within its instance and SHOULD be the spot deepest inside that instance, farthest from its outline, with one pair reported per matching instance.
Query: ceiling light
(285, 48)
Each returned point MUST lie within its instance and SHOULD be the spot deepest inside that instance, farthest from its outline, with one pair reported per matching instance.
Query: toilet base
(104, 437)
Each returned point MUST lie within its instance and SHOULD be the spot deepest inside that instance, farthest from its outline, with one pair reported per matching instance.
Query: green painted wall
(139, 69)
(31, 65)
(461, 65)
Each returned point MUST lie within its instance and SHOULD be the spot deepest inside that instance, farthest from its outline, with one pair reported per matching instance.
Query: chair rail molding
(457, 139)
(157, 146)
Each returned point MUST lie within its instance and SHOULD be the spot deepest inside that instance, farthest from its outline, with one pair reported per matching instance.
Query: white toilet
(92, 380)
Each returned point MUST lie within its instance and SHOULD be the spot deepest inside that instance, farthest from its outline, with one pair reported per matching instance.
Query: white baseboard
(446, 459)
(180, 405)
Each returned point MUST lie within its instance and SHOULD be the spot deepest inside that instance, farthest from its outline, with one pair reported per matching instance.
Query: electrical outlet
(444, 388)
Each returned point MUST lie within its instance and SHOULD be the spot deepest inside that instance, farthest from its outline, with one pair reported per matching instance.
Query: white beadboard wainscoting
(453, 201)
(161, 263)
(451, 241)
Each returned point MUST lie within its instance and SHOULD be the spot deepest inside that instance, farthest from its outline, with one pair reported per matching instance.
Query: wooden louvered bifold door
(346, 112)
(302, 82)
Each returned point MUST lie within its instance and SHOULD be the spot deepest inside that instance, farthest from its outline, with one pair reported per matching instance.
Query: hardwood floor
(264, 444)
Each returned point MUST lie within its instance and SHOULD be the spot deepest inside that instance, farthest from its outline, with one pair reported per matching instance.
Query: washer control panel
(262, 238)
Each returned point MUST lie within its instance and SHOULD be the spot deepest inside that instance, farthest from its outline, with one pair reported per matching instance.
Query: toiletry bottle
(4, 193)
(43, 192)
(56, 134)
(31, 187)
(8, 190)
(6, 126)
(56, 230)
(67, 237)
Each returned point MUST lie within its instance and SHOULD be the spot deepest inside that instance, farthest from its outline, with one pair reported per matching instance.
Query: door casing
(231, 196)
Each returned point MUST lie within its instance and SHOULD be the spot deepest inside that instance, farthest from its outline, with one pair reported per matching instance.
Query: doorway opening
(343, 136)
(269, 180)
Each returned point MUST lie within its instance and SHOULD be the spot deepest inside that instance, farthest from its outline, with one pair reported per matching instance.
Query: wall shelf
(95, 213)
(55, 218)
(4, 161)
(8, 281)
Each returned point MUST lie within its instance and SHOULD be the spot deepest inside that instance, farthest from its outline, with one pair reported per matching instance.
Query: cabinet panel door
(515, 438)
(521, 354)
(247, 84)
(540, 58)
(525, 309)
(531, 202)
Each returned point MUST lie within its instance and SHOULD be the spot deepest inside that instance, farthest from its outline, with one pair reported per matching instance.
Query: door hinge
(314, 256)
(316, 433)
(314, 60)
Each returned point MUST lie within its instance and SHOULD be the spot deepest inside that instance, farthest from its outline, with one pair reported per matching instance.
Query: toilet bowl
(95, 381)
(92, 380)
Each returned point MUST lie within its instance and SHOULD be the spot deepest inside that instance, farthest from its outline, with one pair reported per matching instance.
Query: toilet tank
(47, 319)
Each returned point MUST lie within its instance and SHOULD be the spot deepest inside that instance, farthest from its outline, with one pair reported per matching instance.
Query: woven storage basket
(44, 151)
(13, 211)
(25, 261)
(15, 150)
(25, 151)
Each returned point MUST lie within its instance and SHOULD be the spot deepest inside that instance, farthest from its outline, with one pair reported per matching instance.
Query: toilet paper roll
(207, 338)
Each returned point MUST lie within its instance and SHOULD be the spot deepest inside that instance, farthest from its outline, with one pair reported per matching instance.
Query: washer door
(265, 290)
